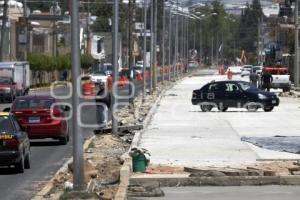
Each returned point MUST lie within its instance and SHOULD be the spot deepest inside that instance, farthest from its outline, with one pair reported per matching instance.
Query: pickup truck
(281, 77)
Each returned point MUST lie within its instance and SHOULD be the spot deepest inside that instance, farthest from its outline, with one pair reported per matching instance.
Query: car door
(235, 95)
(216, 93)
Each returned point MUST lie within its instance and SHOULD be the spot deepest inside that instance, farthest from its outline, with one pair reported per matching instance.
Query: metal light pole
(151, 49)
(115, 64)
(155, 67)
(170, 45)
(163, 44)
(176, 42)
(26, 31)
(145, 49)
(78, 166)
(3, 29)
(296, 60)
(212, 51)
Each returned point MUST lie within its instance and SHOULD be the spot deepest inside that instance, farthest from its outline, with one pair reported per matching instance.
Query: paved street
(180, 134)
(229, 193)
(47, 156)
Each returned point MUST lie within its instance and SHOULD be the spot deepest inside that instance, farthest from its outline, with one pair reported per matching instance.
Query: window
(17, 126)
(34, 103)
(6, 125)
(217, 87)
(232, 87)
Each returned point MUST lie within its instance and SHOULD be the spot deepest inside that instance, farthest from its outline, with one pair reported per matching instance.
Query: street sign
(139, 26)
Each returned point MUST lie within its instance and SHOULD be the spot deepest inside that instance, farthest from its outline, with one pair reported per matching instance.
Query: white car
(246, 70)
(258, 69)
(98, 77)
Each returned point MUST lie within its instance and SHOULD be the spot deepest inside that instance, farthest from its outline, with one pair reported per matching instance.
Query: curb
(47, 188)
(126, 169)
(169, 181)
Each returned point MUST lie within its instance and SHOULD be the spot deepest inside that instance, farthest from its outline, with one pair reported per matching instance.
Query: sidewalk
(181, 135)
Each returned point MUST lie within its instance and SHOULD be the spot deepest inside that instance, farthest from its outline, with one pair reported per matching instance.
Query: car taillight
(11, 143)
(56, 112)
(194, 94)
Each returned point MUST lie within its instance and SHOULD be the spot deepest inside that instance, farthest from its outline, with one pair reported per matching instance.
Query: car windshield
(6, 125)
(33, 103)
(247, 86)
(5, 80)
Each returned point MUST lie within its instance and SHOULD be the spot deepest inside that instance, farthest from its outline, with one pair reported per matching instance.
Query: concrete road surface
(180, 134)
(229, 193)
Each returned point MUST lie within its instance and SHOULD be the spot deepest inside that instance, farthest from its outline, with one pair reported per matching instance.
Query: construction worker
(254, 77)
(266, 80)
(103, 101)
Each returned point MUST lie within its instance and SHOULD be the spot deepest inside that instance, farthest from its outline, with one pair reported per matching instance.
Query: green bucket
(139, 163)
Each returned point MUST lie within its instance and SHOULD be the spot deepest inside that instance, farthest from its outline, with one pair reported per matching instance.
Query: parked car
(258, 69)
(14, 143)
(281, 77)
(8, 90)
(246, 70)
(238, 94)
(41, 118)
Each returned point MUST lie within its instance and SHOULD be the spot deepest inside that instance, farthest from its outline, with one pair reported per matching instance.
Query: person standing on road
(104, 99)
(254, 77)
(266, 80)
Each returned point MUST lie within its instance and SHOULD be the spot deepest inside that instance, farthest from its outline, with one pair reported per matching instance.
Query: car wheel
(63, 140)
(27, 161)
(20, 166)
(223, 109)
(286, 89)
(206, 108)
(268, 109)
(252, 107)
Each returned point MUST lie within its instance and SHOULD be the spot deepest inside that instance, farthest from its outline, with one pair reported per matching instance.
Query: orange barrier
(139, 77)
(221, 71)
(123, 81)
(229, 74)
(110, 83)
(89, 89)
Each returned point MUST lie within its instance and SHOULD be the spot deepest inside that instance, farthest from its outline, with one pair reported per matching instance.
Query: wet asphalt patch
(276, 143)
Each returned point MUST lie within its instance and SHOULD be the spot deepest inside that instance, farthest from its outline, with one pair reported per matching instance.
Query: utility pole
(163, 44)
(78, 166)
(170, 45)
(212, 51)
(88, 38)
(3, 29)
(154, 47)
(26, 31)
(217, 49)
(115, 51)
(187, 40)
(151, 48)
(200, 42)
(145, 49)
(182, 41)
(130, 41)
(176, 42)
(258, 42)
(296, 61)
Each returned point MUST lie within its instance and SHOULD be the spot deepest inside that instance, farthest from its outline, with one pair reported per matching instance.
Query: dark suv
(237, 94)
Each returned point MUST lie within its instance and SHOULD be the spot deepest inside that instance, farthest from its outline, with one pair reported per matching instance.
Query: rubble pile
(293, 94)
(102, 168)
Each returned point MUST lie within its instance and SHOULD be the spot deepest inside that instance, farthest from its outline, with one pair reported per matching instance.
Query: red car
(40, 118)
